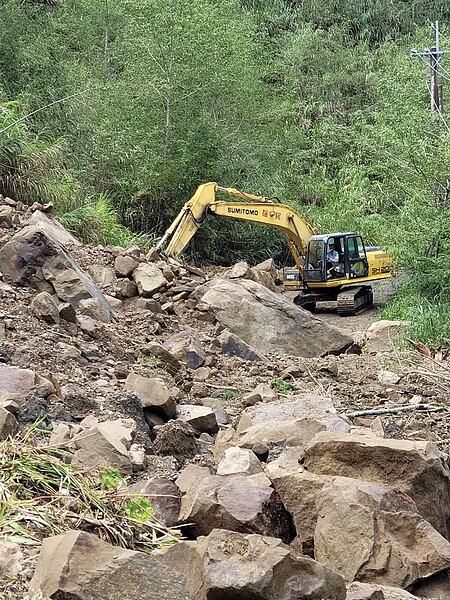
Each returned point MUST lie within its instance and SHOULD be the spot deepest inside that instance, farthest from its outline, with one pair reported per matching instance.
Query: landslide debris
(184, 378)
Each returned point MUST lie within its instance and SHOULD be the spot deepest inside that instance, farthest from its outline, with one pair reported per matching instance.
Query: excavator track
(353, 301)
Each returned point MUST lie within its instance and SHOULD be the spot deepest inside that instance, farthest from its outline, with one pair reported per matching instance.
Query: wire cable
(434, 69)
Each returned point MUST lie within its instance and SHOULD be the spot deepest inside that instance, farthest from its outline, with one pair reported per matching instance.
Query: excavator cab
(349, 258)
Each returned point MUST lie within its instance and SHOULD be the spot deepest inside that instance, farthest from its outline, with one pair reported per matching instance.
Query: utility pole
(433, 57)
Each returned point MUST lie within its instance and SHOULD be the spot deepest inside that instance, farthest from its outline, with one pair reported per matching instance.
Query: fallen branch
(225, 387)
(395, 409)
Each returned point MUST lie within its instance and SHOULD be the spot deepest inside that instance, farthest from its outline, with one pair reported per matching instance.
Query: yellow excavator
(330, 267)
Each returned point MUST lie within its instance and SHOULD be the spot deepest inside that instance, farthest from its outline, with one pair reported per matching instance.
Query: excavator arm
(256, 209)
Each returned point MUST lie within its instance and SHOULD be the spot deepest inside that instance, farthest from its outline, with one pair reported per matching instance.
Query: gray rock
(234, 566)
(163, 495)
(186, 347)
(292, 422)
(52, 229)
(125, 265)
(44, 306)
(261, 393)
(245, 503)
(172, 363)
(201, 418)
(123, 430)
(417, 468)
(92, 307)
(98, 446)
(388, 378)
(90, 352)
(102, 276)
(366, 531)
(153, 394)
(8, 424)
(268, 322)
(268, 266)
(6, 217)
(381, 335)
(67, 312)
(80, 566)
(241, 270)
(11, 559)
(87, 325)
(238, 460)
(177, 439)
(126, 288)
(299, 491)
(231, 344)
(16, 381)
(148, 279)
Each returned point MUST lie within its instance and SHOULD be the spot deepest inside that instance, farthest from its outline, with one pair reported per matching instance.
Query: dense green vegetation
(115, 110)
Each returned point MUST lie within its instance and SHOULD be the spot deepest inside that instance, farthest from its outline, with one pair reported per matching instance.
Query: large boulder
(417, 468)
(53, 229)
(33, 257)
(266, 321)
(236, 502)
(369, 532)
(292, 422)
(228, 565)
(299, 491)
(80, 566)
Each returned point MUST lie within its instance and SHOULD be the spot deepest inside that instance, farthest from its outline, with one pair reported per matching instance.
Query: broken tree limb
(395, 409)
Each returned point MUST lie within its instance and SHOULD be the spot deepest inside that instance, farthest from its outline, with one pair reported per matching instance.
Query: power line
(432, 57)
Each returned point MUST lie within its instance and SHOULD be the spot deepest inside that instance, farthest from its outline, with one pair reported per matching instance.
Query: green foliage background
(115, 110)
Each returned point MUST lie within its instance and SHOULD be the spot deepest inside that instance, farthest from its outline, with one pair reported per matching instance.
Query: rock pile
(224, 404)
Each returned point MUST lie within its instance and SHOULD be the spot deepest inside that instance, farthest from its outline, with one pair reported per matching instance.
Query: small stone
(87, 324)
(67, 312)
(202, 374)
(201, 418)
(44, 307)
(388, 378)
(125, 265)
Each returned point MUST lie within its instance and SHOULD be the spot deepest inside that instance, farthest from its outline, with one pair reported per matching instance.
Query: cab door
(356, 263)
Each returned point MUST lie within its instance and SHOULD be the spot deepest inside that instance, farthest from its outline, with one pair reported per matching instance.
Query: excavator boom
(257, 209)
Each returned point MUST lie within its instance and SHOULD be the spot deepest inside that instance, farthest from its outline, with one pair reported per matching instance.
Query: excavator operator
(332, 260)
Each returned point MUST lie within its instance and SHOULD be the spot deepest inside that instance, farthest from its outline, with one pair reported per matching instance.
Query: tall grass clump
(98, 222)
(42, 495)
